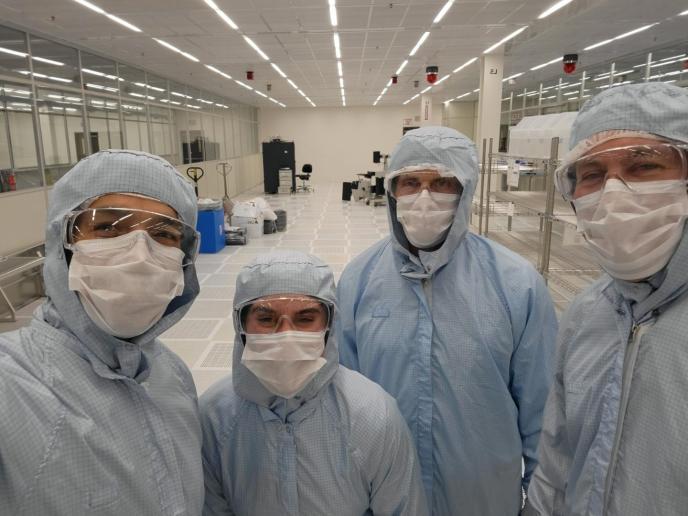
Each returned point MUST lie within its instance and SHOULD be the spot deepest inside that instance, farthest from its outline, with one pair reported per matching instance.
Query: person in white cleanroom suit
(291, 432)
(97, 415)
(457, 328)
(614, 438)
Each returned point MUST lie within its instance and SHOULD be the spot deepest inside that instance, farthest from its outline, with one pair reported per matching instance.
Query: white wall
(22, 219)
(461, 116)
(338, 142)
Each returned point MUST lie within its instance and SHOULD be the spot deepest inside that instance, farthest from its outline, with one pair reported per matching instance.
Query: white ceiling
(376, 37)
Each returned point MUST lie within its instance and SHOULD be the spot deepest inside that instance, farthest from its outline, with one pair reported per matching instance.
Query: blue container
(211, 226)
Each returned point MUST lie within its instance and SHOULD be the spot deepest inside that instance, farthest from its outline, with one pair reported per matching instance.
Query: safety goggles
(283, 312)
(414, 179)
(630, 164)
(95, 223)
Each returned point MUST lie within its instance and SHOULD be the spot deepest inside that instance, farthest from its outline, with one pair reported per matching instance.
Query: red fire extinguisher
(12, 182)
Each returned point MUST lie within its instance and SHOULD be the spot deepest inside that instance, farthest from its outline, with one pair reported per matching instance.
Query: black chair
(305, 175)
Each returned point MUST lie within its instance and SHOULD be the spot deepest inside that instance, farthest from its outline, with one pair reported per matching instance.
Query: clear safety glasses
(629, 164)
(283, 312)
(404, 183)
(96, 223)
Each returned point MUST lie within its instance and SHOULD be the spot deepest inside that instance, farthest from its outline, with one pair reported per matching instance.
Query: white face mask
(633, 233)
(426, 218)
(284, 362)
(126, 283)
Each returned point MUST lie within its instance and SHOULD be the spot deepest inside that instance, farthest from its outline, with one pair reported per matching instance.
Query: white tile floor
(319, 223)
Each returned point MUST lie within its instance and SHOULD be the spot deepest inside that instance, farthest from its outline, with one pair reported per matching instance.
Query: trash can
(211, 226)
(346, 191)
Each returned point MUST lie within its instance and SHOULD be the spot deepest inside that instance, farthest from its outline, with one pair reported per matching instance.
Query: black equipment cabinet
(277, 154)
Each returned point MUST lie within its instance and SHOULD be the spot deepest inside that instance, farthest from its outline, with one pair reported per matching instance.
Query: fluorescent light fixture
(301, 93)
(570, 93)
(442, 79)
(175, 103)
(462, 96)
(58, 79)
(137, 95)
(278, 70)
(122, 22)
(339, 68)
(337, 49)
(420, 42)
(476, 90)
(446, 102)
(221, 14)
(467, 63)
(389, 83)
(292, 84)
(621, 36)
(175, 49)
(401, 67)
(684, 13)
(261, 94)
(90, 6)
(383, 92)
(605, 76)
(283, 105)
(333, 15)
(343, 101)
(192, 106)
(49, 61)
(243, 84)
(342, 91)
(504, 40)
(512, 77)
(189, 56)
(635, 31)
(155, 88)
(341, 82)
(220, 72)
(273, 100)
(557, 60)
(256, 48)
(207, 101)
(406, 102)
(426, 89)
(12, 52)
(554, 8)
(444, 10)
(599, 44)
(164, 101)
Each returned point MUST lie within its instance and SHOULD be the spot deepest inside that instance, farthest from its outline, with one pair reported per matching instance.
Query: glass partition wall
(59, 104)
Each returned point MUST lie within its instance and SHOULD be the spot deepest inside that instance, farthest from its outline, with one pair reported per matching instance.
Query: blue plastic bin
(211, 226)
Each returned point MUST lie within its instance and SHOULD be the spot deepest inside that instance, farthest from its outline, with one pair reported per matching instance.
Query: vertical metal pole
(120, 109)
(525, 92)
(559, 91)
(37, 133)
(612, 70)
(648, 67)
(582, 90)
(84, 113)
(7, 126)
(487, 194)
(546, 237)
(482, 187)
(540, 100)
